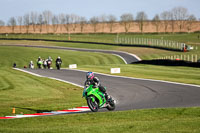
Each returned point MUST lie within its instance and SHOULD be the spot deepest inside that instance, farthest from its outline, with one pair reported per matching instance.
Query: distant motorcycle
(58, 64)
(49, 62)
(39, 64)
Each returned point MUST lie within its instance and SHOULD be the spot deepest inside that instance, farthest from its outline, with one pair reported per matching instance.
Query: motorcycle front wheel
(92, 103)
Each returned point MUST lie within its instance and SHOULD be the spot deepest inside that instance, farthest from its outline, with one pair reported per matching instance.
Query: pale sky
(90, 8)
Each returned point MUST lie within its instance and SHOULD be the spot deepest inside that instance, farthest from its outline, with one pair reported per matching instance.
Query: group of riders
(46, 63)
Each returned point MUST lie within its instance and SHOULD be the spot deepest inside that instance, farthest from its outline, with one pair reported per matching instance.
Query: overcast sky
(90, 8)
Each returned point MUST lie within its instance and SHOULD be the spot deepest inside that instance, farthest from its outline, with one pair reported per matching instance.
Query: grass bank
(22, 56)
(184, 120)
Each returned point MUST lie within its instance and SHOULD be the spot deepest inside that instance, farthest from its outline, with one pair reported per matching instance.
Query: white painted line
(121, 58)
(48, 77)
(28, 72)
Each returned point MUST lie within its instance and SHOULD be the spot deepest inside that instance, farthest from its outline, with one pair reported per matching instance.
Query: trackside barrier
(73, 66)
(161, 43)
(115, 70)
(190, 58)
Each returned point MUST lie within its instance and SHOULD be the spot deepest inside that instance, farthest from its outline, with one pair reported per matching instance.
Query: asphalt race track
(133, 93)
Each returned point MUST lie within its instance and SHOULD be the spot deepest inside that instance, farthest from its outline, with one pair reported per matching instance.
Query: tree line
(178, 16)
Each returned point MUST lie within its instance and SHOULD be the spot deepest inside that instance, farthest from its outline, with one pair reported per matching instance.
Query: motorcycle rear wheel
(111, 104)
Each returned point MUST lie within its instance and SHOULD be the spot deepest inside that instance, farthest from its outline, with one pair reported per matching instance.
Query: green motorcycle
(96, 99)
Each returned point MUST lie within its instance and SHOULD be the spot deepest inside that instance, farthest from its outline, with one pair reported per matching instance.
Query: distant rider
(49, 62)
(39, 62)
(45, 63)
(92, 80)
(31, 65)
(58, 62)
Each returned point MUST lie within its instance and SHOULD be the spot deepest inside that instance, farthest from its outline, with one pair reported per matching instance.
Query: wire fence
(148, 42)
(189, 58)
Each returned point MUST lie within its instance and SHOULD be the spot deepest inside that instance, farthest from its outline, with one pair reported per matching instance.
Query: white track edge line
(121, 58)
(48, 77)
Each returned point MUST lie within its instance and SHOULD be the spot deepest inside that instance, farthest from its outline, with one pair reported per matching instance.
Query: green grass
(189, 38)
(22, 56)
(30, 94)
(184, 120)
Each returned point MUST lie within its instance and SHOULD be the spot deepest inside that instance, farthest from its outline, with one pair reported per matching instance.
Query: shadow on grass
(169, 63)
(35, 110)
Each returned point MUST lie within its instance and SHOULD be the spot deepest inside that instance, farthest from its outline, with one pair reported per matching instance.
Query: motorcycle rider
(45, 63)
(39, 62)
(92, 80)
(49, 62)
(58, 62)
(31, 65)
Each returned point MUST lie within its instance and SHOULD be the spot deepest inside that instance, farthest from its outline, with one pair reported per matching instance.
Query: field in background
(188, 38)
(192, 39)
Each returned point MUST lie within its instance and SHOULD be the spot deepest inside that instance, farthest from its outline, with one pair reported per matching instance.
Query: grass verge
(184, 120)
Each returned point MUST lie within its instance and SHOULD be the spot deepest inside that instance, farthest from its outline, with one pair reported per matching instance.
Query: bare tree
(111, 20)
(67, 21)
(40, 22)
(83, 22)
(20, 21)
(74, 20)
(33, 20)
(55, 23)
(190, 21)
(2, 23)
(103, 20)
(47, 15)
(94, 21)
(166, 16)
(180, 14)
(172, 22)
(126, 20)
(12, 23)
(140, 19)
(156, 22)
(61, 19)
(26, 21)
